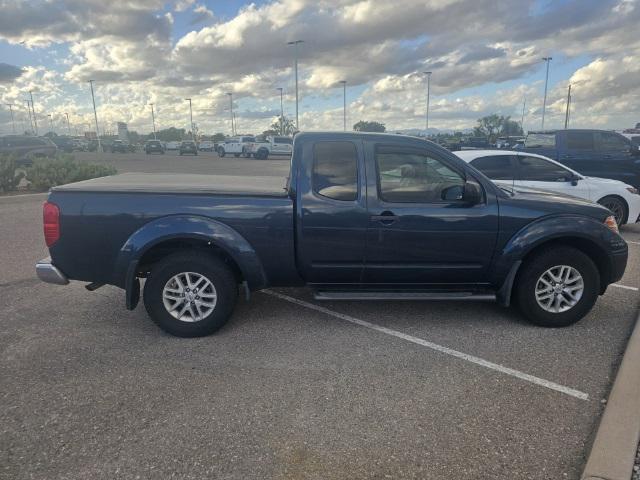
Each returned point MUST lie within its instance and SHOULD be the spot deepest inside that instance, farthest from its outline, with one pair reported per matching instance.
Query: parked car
(188, 146)
(597, 153)
(173, 145)
(80, 145)
(153, 146)
(25, 147)
(119, 146)
(270, 145)
(236, 146)
(362, 217)
(515, 168)
(206, 146)
(64, 144)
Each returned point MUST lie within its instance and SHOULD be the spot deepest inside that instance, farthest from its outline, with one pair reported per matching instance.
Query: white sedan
(522, 169)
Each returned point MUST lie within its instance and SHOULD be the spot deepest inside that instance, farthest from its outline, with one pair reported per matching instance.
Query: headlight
(611, 224)
(633, 190)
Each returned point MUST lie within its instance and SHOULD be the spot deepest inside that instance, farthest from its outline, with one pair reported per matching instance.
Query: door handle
(385, 218)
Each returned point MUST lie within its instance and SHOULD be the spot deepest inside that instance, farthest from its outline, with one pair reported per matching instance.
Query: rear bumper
(49, 273)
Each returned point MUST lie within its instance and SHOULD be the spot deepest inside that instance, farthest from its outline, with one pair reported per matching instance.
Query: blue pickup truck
(361, 216)
(596, 153)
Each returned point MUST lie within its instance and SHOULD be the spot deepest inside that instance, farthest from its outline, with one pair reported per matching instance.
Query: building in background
(123, 132)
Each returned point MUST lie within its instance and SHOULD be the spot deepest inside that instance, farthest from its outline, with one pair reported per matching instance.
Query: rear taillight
(51, 220)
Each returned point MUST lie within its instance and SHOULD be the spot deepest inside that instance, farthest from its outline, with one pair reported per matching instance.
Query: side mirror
(472, 194)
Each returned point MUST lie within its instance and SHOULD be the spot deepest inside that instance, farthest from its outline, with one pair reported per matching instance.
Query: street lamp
(191, 118)
(344, 103)
(13, 122)
(68, 124)
(50, 123)
(30, 119)
(153, 121)
(95, 115)
(33, 107)
(231, 107)
(546, 81)
(428, 74)
(281, 112)
(295, 44)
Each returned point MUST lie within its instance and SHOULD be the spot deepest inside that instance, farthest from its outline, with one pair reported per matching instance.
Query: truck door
(331, 212)
(618, 158)
(578, 151)
(420, 231)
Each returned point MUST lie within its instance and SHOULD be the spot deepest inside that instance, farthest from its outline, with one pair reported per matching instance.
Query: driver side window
(407, 176)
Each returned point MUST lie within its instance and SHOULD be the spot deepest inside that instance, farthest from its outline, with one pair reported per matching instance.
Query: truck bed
(182, 183)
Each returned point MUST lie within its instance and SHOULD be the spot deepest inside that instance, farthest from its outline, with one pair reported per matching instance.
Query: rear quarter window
(335, 170)
(540, 140)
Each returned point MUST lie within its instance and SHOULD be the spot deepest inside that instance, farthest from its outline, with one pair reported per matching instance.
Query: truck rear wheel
(221, 152)
(190, 295)
(557, 287)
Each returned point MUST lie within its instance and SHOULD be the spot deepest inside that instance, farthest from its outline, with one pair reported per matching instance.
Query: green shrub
(47, 173)
(9, 178)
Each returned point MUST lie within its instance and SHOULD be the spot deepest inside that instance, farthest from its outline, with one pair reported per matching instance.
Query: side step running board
(393, 295)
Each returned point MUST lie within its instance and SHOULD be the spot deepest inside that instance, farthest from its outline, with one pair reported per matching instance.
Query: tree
(218, 137)
(171, 134)
(284, 125)
(364, 126)
(495, 125)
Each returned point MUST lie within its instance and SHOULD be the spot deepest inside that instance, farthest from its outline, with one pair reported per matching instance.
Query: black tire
(236, 155)
(221, 152)
(214, 269)
(530, 274)
(617, 206)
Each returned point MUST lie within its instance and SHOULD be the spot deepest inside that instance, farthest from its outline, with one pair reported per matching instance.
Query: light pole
(281, 112)
(428, 74)
(231, 110)
(344, 103)
(13, 122)
(191, 118)
(295, 44)
(95, 116)
(153, 121)
(546, 81)
(50, 123)
(566, 115)
(33, 107)
(524, 104)
(30, 119)
(68, 124)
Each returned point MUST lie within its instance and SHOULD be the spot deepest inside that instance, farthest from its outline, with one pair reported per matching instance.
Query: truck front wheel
(190, 295)
(221, 152)
(557, 287)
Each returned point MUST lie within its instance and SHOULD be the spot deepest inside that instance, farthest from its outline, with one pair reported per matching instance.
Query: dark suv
(188, 147)
(119, 146)
(153, 146)
(596, 153)
(25, 148)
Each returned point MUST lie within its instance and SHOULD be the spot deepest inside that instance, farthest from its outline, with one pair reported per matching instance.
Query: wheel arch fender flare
(548, 229)
(187, 227)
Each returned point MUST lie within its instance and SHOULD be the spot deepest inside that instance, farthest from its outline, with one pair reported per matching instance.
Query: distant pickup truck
(271, 145)
(360, 217)
(236, 146)
(596, 153)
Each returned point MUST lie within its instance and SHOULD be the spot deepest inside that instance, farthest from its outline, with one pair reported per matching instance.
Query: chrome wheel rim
(559, 289)
(616, 208)
(189, 297)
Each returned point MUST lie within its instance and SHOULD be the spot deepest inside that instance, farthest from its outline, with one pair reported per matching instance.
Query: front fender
(550, 228)
(193, 227)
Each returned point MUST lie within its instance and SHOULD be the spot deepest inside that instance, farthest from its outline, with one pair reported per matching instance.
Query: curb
(614, 448)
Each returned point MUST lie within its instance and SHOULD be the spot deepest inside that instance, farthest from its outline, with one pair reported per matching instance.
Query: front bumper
(49, 273)
(618, 265)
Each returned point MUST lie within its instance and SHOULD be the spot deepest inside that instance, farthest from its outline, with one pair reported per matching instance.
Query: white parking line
(626, 287)
(434, 346)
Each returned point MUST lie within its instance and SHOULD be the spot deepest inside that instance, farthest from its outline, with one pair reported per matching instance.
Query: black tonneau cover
(181, 183)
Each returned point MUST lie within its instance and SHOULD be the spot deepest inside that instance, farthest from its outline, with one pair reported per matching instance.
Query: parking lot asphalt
(290, 387)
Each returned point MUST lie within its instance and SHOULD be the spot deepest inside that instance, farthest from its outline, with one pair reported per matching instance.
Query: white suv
(237, 146)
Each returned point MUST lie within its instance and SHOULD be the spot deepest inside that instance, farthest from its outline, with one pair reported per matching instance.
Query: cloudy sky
(486, 57)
